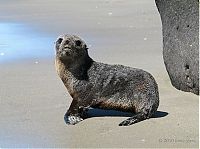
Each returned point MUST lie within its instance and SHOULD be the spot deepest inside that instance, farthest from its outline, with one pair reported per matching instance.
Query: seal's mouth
(66, 51)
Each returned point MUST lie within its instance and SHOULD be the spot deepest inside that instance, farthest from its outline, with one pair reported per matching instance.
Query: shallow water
(18, 41)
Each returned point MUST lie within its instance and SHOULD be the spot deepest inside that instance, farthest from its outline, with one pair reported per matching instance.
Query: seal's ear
(85, 47)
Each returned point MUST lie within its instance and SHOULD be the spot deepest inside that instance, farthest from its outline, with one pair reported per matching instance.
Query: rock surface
(180, 27)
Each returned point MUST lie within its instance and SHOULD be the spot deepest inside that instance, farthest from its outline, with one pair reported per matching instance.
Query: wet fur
(112, 87)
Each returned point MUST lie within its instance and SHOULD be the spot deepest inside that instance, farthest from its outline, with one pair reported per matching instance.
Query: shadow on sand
(101, 113)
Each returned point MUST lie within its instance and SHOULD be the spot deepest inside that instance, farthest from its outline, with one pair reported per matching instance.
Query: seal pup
(98, 85)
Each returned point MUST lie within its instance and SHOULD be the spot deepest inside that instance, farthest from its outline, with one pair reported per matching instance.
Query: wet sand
(34, 100)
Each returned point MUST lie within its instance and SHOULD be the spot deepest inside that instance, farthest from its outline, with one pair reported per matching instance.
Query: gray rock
(180, 27)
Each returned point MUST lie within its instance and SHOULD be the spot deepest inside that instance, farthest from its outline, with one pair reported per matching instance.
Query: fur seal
(98, 85)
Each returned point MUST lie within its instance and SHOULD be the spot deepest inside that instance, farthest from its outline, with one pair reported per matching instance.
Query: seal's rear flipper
(132, 120)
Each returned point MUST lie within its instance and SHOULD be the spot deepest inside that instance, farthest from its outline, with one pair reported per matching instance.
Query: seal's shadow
(159, 114)
(92, 112)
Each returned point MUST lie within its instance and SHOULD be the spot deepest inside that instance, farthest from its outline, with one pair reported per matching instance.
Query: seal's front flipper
(83, 111)
(132, 120)
(76, 112)
(72, 119)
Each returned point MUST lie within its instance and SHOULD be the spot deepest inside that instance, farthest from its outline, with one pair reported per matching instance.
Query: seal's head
(70, 47)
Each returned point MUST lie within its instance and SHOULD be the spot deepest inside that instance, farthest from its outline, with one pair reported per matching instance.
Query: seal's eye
(59, 40)
(78, 43)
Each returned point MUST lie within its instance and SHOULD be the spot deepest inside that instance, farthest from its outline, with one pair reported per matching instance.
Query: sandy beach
(34, 100)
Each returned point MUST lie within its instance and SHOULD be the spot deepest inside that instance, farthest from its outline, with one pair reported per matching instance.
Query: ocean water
(18, 41)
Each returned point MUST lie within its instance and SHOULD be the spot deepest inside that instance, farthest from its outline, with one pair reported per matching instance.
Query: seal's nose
(66, 43)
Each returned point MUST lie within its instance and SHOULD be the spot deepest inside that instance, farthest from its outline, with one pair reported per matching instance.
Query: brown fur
(98, 85)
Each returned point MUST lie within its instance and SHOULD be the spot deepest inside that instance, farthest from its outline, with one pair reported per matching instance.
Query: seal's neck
(78, 68)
